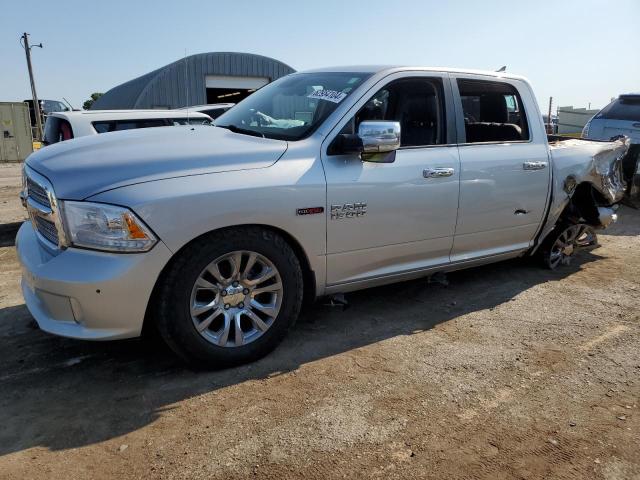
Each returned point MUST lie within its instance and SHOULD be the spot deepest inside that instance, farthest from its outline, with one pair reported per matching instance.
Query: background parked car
(621, 117)
(67, 125)
(214, 110)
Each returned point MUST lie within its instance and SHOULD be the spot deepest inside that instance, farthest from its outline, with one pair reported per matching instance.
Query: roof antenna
(69, 103)
(502, 69)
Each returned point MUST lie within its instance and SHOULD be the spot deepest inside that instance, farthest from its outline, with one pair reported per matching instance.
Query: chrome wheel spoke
(266, 309)
(265, 275)
(256, 320)
(274, 287)
(223, 338)
(199, 309)
(207, 321)
(214, 270)
(235, 260)
(239, 340)
(205, 284)
(250, 263)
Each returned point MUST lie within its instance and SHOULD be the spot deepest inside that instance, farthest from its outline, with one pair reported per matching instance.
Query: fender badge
(309, 211)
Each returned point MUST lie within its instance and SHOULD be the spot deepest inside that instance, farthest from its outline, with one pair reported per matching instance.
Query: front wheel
(564, 241)
(230, 297)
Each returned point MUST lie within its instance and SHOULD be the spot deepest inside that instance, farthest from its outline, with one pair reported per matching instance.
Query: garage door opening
(225, 95)
(224, 89)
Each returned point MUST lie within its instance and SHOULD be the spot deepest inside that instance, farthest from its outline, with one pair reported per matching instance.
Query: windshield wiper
(245, 131)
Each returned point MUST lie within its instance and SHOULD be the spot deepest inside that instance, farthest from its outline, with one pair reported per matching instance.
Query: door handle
(534, 165)
(437, 172)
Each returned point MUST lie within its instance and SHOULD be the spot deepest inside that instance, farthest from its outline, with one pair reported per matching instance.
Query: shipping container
(15, 132)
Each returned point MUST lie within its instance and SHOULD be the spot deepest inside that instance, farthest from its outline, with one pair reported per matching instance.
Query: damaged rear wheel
(565, 240)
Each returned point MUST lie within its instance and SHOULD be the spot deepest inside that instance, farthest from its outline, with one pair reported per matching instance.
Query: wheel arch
(308, 275)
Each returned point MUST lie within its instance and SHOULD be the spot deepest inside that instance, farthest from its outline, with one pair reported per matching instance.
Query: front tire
(229, 297)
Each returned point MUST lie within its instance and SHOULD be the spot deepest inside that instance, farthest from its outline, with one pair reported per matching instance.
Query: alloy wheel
(236, 298)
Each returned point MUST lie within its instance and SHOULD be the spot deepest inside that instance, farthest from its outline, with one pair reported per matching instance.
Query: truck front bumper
(87, 294)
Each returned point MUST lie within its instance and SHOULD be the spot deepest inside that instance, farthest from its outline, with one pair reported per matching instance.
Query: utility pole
(36, 104)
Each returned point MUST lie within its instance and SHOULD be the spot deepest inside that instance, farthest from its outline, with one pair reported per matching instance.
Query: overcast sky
(578, 51)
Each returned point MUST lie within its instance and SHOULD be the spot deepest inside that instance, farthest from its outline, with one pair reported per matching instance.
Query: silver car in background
(621, 117)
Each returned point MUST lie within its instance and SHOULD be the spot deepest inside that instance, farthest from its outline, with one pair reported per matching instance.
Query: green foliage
(94, 96)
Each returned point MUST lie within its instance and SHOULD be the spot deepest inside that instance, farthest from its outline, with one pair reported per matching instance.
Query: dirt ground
(10, 207)
(509, 372)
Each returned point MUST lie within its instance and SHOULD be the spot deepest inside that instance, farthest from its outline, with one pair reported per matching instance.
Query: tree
(94, 96)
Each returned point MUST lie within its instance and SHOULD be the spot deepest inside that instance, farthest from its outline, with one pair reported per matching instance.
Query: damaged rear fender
(587, 182)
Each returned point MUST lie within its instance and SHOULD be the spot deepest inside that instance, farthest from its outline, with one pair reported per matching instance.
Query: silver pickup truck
(321, 183)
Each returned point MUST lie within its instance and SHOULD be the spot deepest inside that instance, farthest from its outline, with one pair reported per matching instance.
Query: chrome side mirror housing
(379, 136)
(376, 141)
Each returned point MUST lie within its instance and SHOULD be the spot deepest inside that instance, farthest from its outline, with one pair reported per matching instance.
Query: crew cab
(320, 183)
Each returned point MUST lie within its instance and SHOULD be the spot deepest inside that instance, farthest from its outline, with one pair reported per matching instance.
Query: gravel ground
(10, 207)
(509, 372)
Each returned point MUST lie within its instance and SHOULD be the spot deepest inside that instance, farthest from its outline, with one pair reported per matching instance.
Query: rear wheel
(230, 297)
(564, 241)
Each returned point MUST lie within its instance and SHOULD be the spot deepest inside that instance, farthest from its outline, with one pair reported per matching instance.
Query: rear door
(505, 172)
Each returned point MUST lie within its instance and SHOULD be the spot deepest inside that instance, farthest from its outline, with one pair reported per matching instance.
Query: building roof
(167, 87)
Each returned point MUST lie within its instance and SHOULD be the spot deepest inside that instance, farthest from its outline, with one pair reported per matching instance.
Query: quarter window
(493, 112)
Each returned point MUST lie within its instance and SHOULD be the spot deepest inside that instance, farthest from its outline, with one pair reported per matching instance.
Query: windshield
(292, 107)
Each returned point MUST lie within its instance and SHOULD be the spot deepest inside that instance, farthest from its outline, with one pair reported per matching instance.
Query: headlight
(106, 227)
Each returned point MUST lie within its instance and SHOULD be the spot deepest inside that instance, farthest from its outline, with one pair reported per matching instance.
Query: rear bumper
(86, 294)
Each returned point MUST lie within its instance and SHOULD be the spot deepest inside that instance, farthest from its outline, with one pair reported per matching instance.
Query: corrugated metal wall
(182, 82)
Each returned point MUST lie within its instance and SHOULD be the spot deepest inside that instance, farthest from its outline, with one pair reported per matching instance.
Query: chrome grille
(38, 193)
(47, 229)
(43, 208)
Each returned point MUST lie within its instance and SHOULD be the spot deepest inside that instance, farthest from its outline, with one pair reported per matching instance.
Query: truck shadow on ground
(59, 393)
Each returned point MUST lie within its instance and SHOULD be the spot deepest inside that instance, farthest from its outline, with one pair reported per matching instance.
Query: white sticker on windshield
(329, 95)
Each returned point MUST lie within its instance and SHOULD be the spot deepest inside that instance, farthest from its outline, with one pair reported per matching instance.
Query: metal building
(215, 77)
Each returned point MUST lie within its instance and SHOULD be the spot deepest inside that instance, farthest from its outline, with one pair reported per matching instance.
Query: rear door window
(132, 124)
(623, 108)
(117, 125)
(493, 112)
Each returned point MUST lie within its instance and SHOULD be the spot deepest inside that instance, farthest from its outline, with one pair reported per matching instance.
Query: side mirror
(379, 136)
(376, 141)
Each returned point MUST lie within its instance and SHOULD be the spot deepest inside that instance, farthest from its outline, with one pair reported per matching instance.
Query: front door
(386, 219)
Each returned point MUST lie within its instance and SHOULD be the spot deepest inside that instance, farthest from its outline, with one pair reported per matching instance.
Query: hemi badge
(309, 211)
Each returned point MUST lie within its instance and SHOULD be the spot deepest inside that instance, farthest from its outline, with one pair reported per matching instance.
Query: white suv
(62, 126)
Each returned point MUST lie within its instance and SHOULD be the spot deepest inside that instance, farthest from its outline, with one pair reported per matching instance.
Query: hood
(89, 165)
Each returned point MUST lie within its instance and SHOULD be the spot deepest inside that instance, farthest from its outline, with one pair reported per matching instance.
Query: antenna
(68, 103)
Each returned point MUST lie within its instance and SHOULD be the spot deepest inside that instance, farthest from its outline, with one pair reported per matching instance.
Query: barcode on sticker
(329, 95)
